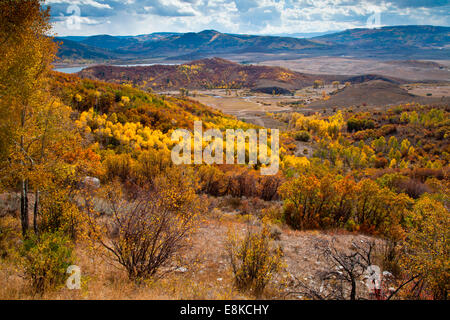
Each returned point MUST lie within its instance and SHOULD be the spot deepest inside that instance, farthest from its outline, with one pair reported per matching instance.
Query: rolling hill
(116, 42)
(206, 74)
(108, 42)
(374, 93)
(399, 37)
(404, 42)
(76, 51)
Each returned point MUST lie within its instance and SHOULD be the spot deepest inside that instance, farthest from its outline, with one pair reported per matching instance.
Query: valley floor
(410, 70)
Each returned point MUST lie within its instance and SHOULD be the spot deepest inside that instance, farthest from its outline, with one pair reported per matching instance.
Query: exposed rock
(181, 269)
(90, 182)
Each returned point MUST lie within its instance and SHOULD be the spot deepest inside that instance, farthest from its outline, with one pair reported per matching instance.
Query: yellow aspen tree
(26, 53)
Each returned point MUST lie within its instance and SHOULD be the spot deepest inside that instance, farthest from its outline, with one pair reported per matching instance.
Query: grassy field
(424, 90)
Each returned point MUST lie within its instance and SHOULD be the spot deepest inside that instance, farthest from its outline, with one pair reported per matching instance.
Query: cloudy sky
(133, 17)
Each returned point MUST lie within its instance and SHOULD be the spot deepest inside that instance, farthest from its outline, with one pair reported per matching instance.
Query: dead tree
(344, 269)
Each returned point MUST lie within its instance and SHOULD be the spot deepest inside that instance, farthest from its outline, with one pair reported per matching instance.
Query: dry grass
(199, 272)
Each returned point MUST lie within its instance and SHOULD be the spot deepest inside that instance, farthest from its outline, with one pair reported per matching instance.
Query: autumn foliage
(88, 165)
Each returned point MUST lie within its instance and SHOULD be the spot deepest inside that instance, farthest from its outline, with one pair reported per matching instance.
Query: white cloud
(91, 3)
(245, 16)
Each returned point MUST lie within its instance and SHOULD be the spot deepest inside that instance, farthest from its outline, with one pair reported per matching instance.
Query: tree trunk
(24, 207)
(36, 211)
(353, 293)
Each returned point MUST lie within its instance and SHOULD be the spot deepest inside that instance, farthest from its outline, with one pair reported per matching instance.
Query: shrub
(151, 164)
(302, 136)
(275, 232)
(401, 184)
(269, 187)
(312, 202)
(58, 212)
(413, 188)
(441, 133)
(8, 235)
(246, 209)
(273, 215)
(365, 134)
(45, 259)
(427, 246)
(211, 180)
(386, 130)
(307, 200)
(389, 254)
(380, 162)
(118, 166)
(145, 232)
(9, 204)
(356, 124)
(380, 209)
(253, 261)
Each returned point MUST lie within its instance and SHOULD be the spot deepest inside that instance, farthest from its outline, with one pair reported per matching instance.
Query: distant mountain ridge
(205, 42)
(398, 42)
(76, 50)
(388, 37)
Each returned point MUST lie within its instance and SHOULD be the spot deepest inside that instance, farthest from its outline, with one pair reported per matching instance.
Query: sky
(134, 17)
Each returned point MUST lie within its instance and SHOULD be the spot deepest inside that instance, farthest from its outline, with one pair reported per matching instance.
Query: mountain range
(403, 42)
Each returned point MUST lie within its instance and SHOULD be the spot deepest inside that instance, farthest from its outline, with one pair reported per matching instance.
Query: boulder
(90, 182)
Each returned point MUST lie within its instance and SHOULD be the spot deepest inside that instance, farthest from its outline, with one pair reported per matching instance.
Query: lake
(78, 69)
(70, 69)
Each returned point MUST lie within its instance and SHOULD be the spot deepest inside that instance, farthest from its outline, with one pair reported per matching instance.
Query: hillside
(123, 138)
(110, 190)
(115, 42)
(206, 73)
(108, 42)
(404, 41)
(155, 111)
(392, 37)
(373, 93)
(74, 50)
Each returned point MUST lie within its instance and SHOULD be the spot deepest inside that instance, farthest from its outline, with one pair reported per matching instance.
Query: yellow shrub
(253, 261)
